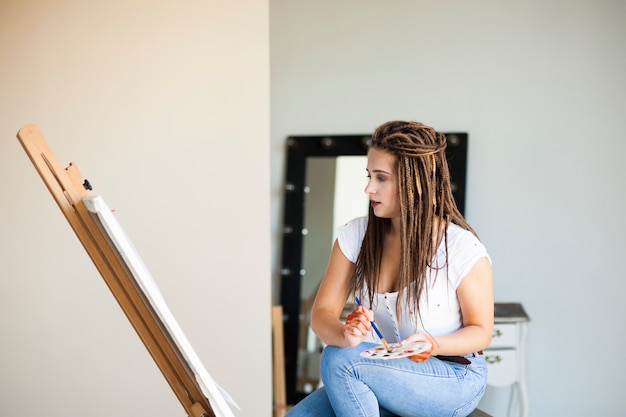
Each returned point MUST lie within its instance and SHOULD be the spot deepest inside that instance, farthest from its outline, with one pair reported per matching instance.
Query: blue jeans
(362, 387)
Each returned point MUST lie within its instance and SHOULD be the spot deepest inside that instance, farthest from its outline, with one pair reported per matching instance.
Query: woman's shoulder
(464, 248)
(358, 223)
(350, 236)
(458, 234)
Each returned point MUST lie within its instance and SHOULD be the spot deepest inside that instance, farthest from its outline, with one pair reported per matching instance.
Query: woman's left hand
(420, 337)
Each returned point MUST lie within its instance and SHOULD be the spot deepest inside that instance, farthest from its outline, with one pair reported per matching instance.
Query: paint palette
(397, 350)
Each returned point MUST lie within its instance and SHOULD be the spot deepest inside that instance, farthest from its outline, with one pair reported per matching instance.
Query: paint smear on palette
(397, 350)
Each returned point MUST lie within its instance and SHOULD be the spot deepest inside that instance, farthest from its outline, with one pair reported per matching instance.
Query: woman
(422, 275)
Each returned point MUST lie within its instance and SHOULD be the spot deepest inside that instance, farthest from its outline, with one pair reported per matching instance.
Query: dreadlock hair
(424, 194)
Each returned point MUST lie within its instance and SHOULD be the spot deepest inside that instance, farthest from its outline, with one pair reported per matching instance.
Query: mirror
(324, 188)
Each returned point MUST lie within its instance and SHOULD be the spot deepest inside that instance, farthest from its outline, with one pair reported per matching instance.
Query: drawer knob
(493, 359)
(497, 333)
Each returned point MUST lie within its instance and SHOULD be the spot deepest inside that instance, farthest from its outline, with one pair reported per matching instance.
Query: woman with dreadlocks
(421, 274)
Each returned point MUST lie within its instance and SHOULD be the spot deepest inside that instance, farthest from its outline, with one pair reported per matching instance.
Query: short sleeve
(464, 251)
(350, 237)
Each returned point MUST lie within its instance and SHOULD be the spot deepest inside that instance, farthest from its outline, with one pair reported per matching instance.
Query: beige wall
(164, 107)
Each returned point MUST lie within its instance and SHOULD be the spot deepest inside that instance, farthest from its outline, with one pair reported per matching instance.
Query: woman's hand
(357, 325)
(420, 337)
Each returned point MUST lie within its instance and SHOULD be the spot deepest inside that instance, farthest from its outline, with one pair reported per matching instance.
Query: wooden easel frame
(69, 189)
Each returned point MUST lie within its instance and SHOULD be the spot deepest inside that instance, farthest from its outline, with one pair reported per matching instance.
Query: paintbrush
(380, 335)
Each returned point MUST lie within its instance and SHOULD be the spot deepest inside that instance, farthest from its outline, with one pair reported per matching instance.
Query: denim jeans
(362, 387)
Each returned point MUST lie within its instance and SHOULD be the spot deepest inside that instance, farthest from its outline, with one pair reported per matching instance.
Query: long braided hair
(424, 194)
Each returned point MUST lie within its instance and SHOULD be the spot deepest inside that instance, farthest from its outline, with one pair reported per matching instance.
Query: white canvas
(214, 393)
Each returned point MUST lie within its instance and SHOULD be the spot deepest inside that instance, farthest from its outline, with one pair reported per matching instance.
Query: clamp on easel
(69, 189)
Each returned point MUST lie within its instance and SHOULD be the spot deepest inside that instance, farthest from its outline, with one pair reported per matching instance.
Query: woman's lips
(374, 203)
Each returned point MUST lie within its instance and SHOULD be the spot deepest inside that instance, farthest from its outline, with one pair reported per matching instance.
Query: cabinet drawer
(504, 335)
(501, 366)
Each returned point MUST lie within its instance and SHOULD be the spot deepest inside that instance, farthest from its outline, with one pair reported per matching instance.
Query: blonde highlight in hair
(424, 195)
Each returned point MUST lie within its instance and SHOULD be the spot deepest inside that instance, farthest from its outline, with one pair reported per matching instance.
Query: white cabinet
(506, 355)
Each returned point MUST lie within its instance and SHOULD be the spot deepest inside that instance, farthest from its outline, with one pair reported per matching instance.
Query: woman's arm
(475, 295)
(329, 303)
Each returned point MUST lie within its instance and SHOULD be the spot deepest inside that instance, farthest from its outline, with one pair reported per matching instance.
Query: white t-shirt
(439, 306)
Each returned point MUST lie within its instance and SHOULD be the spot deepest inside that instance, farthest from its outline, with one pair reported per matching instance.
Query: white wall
(164, 107)
(540, 88)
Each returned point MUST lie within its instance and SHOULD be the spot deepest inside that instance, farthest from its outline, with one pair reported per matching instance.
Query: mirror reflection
(333, 194)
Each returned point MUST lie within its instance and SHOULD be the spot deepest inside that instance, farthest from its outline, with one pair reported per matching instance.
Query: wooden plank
(278, 362)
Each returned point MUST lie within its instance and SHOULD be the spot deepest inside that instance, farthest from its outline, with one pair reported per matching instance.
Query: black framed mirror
(312, 176)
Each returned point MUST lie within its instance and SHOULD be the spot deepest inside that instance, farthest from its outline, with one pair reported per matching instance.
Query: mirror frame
(299, 148)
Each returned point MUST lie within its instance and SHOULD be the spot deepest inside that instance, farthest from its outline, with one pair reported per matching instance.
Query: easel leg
(198, 411)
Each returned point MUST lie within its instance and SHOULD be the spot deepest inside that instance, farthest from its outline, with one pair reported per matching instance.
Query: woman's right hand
(357, 326)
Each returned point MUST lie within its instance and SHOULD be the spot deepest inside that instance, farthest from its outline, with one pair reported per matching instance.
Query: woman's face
(382, 187)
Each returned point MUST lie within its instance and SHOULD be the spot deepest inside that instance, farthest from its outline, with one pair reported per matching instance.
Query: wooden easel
(68, 189)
